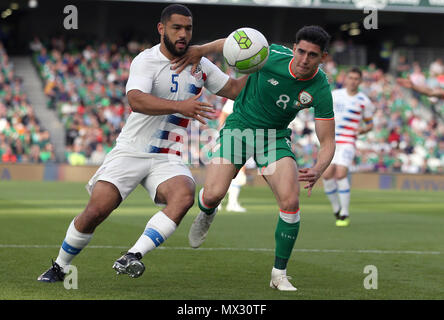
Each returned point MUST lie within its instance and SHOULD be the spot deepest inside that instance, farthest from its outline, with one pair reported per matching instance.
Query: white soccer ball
(246, 50)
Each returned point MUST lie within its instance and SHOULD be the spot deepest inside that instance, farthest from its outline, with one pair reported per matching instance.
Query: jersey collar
(294, 76)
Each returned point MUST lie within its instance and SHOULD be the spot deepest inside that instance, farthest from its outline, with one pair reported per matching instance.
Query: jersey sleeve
(369, 110)
(215, 78)
(141, 75)
(323, 106)
(228, 106)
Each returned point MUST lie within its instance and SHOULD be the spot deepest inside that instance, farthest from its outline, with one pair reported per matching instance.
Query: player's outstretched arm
(195, 53)
(325, 131)
(233, 87)
(151, 105)
(430, 92)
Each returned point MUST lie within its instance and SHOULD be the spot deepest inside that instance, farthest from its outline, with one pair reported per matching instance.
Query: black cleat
(130, 264)
(337, 214)
(53, 274)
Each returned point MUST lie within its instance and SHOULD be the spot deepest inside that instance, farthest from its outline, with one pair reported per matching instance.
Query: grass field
(400, 233)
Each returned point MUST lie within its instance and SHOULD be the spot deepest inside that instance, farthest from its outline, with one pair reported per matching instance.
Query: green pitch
(400, 233)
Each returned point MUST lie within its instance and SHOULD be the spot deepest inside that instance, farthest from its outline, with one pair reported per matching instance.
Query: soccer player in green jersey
(290, 81)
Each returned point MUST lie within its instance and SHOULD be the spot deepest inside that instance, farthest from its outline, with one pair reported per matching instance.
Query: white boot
(279, 280)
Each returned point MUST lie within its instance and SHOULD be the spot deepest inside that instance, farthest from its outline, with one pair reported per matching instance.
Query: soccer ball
(246, 50)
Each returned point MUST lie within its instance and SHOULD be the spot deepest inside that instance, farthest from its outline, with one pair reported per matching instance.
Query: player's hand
(406, 83)
(309, 175)
(192, 56)
(193, 108)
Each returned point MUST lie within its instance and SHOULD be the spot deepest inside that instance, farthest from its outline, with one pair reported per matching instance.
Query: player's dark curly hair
(174, 9)
(314, 34)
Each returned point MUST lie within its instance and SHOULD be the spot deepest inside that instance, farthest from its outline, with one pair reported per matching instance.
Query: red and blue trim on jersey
(168, 135)
(178, 121)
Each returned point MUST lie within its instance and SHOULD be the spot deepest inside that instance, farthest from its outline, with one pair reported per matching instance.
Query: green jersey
(273, 96)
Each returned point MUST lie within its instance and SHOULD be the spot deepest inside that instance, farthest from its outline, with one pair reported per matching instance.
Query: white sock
(277, 272)
(331, 190)
(157, 230)
(344, 196)
(233, 194)
(74, 242)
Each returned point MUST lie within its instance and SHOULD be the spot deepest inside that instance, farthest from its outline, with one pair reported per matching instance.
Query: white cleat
(199, 229)
(236, 208)
(279, 280)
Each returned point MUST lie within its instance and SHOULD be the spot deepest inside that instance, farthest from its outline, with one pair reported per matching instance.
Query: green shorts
(237, 144)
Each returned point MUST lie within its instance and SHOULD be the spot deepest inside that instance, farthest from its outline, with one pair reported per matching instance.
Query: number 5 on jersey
(175, 83)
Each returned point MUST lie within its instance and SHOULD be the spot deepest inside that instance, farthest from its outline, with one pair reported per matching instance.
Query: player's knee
(181, 202)
(290, 204)
(95, 214)
(212, 198)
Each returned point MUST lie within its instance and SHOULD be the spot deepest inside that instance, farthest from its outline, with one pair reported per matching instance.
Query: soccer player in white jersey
(350, 108)
(148, 150)
(233, 204)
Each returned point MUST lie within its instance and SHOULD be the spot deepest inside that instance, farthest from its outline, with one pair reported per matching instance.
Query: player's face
(307, 57)
(176, 34)
(352, 81)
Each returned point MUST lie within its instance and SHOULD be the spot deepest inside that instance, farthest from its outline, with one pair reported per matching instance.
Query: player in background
(430, 92)
(350, 107)
(148, 149)
(241, 177)
(290, 81)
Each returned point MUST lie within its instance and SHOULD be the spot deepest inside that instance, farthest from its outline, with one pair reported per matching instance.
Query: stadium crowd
(86, 87)
(22, 138)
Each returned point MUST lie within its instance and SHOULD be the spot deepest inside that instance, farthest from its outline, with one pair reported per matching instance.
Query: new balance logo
(273, 81)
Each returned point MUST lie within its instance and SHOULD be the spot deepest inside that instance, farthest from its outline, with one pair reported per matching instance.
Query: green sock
(285, 237)
(202, 207)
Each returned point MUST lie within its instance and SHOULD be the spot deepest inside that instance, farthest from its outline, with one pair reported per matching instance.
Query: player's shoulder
(338, 91)
(321, 81)
(363, 97)
(280, 51)
(150, 56)
(277, 51)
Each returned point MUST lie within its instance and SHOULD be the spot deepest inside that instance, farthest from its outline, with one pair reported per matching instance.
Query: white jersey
(150, 73)
(349, 111)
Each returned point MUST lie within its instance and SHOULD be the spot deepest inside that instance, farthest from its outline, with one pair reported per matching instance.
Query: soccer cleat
(343, 222)
(130, 264)
(53, 274)
(337, 214)
(280, 281)
(236, 208)
(199, 229)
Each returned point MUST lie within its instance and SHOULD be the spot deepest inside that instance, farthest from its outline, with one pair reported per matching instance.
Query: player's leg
(105, 197)
(331, 188)
(112, 183)
(234, 191)
(218, 176)
(341, 176)
(284, 184)
(343, 159)
(178, 195)
(169, 183)
(228, 156)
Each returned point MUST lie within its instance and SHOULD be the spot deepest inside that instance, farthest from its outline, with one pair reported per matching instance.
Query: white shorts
(126, 170)
(344, 154)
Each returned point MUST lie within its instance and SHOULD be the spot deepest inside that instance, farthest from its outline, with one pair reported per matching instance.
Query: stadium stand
(22, 138)
(86, 86)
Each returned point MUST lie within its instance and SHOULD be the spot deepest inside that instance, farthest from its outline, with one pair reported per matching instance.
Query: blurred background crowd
(85, 86)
